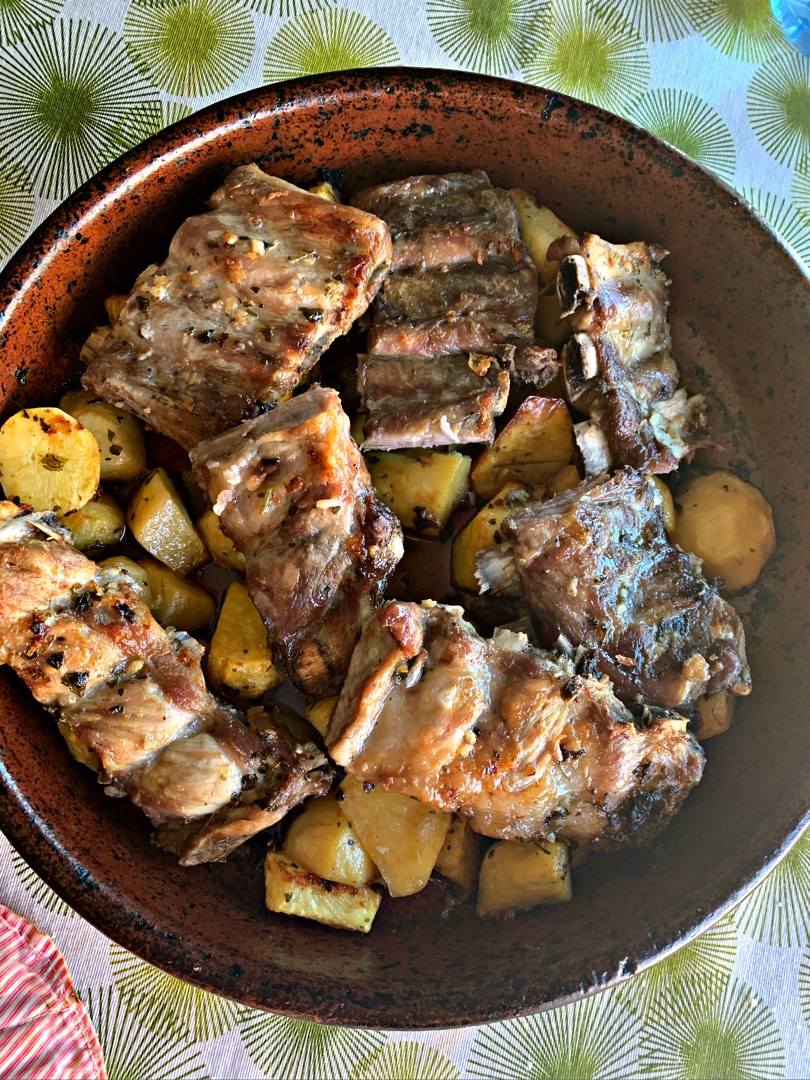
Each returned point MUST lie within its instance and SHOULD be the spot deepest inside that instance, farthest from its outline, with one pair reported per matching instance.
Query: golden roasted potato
(98, 524)
(717, 712)
(534, 446)
(128, 568)
(567, 477)
(550, 327)
(517, 874)
(320, 714)
(422, 487)
(48, 460)
(539, 228)
(668, 507)
(291, 889)
(402, 836)
(728, 524)
(114, 305)
(483, 532)
(175, 601)
(460, 856)
(239, 659)
(326, 191)
(220, 546)
(322, 839)
(118, 434)
(160, 523)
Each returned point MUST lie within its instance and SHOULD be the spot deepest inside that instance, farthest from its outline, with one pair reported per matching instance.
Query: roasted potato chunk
(422, 487)
(114, 305)
(551, 328)
(539, 228)
(460, 856)
(320, 714)
(322, 839)
(668, 505)
(98, 524)
(118, 434)
(519, 874)
(716, 713)
(48, 460)
(239, 659)
(175, 601)
(728, 524)
(535, 445)
(326, 191)
(402, 836)
(483, 532)
(291, 889)
(130, 569)
(160, 523)
(219, 545)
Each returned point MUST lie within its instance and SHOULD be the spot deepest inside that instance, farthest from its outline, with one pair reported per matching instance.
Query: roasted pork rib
(455, 318)
(251, 294)
(597, 570)
(294, 494)
(131, 699)
(505, 734)
(618, 365)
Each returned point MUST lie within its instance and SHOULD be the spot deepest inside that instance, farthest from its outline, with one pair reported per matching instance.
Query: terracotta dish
(740, 314)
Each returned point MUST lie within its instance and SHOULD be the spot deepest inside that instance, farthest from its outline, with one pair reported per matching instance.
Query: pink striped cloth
(45, 1033)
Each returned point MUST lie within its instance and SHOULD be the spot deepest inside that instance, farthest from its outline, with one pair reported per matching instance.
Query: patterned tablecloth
(80, 82)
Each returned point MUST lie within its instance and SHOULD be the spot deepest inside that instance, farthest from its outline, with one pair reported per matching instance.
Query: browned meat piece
(251, 294)
(505, 734)
(464, 284)
(131, 698)
(618, 365)
(294, 495)
(596, 568)
(415, 401)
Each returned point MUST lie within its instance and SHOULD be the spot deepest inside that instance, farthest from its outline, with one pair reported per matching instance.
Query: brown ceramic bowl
(740, 314)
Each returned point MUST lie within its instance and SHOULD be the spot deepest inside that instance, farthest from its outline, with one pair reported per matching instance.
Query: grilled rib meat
(130, 697)
(505, 734)
(251, 294)
(463, 294)
(294, 494)
(618, 365)
(596, 568)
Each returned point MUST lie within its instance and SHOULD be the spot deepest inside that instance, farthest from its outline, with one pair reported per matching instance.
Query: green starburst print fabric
(82, 81)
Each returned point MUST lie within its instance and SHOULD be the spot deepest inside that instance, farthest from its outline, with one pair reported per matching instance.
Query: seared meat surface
(596, 568)
(618, 365)
(505, 734)
(251, 294)
(294, 494)
(463, 290)
(130, 698)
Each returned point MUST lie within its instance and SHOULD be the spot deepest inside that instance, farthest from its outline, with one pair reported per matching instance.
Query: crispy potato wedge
(118, 434)
(130, 569)
(160, 523)
(539, 228)
(219, 545)
(483, 532)
(551, 329)
(533, 447)
(422, 487)
(175, 601)
(402, 836)
(460, 857)
(668, 505)
(320, 714)
(48, 460)
(240, 660)
(519, 874)
(291, 889)
(717, 712)
(322, 839)
(326, 191)
(98, 524)
(728, 523)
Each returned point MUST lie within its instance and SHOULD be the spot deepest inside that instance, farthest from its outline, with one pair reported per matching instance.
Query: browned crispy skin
(130, 696)
(463, 289)
(618, 365)
(251, 294)
(596, 567)
(505, 734)
(294, 494)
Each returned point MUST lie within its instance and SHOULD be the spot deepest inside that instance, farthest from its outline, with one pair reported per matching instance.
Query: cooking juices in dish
(548, 706)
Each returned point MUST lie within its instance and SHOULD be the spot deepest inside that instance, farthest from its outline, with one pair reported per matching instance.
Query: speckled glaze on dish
(740, 315)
